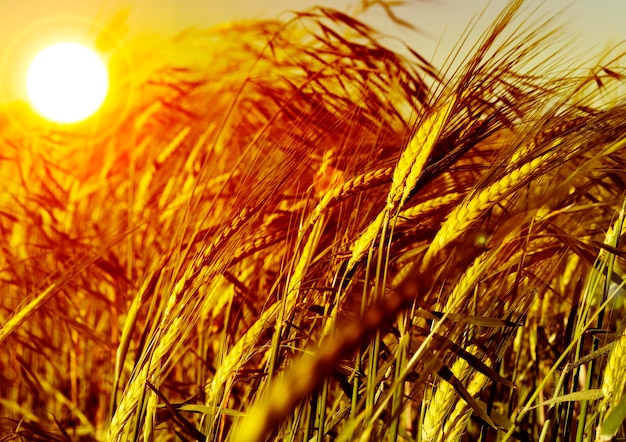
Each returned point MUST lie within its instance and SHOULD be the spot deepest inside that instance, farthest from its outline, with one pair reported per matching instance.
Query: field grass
(284, 230)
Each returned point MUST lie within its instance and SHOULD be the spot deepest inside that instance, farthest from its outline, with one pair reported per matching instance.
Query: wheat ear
(464, 215)
(457, 421)
(23, 313)
(442, 403)
(614, 379)
(415, 156)
(405, 175)
(424, 208)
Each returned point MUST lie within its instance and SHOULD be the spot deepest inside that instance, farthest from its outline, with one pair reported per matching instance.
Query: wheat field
(287, 231)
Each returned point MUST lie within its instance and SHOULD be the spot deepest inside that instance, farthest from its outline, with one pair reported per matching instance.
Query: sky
(27, 25)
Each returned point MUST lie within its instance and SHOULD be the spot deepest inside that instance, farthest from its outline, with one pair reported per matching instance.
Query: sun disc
(67, 83)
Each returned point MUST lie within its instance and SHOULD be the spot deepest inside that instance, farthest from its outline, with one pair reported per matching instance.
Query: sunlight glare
(67, 83)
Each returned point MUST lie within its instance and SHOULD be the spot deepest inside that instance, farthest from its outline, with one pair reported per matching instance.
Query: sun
(67, 83)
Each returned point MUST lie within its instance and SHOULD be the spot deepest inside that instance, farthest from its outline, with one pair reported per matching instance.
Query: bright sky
(27, 25)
